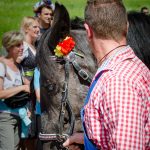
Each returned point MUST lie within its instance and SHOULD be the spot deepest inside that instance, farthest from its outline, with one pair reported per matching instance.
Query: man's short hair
(39, 9)
(107, 18)
(145, 10)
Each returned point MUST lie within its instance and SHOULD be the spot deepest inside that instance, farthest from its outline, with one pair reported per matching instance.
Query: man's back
(117, 112)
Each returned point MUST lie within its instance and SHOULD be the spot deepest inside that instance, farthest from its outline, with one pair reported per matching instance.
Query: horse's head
(64, 81)
(52, 77)
(60, 28)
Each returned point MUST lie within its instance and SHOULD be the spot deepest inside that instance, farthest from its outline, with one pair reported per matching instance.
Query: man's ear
(88, 30)
(38, 14)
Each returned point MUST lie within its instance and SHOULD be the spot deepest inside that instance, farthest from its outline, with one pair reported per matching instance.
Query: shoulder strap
(5, 67)
(21, 72)
(92, 87)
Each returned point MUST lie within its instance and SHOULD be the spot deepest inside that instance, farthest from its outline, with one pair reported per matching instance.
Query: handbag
(18, 100)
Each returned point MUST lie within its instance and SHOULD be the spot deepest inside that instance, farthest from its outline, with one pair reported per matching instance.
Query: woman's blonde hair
(12, 38)
(26, 23)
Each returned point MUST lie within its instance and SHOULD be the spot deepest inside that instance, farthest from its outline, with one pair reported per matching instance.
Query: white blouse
(11, 78)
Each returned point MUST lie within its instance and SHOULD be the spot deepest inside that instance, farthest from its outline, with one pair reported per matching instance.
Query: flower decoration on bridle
(65, 47)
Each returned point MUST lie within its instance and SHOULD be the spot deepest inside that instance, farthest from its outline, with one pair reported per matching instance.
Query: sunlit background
(12, 11)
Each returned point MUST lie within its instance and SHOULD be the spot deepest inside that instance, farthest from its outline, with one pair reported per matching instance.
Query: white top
(11, 78)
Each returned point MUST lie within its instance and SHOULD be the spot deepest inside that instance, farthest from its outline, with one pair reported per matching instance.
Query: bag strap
(21, 72)
(5, 69)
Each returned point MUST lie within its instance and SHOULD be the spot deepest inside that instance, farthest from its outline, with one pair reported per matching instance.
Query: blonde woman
(31, 31)
(11, 83)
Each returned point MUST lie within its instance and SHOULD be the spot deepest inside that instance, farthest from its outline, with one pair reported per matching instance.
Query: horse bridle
(65, 104)
(57, 138)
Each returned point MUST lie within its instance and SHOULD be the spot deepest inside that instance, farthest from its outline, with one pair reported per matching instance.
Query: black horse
(64, 81)
(139, 35)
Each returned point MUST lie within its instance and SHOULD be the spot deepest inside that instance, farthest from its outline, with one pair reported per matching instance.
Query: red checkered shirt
(117, 116)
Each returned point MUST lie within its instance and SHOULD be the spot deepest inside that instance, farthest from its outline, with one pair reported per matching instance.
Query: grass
(12, 11)
(136, 4)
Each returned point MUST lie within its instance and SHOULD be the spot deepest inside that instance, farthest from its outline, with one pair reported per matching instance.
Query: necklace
(100, 61)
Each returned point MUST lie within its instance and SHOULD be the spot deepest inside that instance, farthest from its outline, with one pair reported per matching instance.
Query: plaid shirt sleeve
(117, 115)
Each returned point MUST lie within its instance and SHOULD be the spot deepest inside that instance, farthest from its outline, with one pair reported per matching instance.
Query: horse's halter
(65, 104)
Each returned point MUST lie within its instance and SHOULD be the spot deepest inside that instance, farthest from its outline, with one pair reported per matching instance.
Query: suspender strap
(91, 87)
(87, 142)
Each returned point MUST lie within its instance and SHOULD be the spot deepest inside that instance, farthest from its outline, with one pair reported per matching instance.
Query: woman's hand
(26, 88)
(73, 141)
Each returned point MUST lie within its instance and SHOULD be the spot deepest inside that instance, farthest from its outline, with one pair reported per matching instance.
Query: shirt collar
(114, 60)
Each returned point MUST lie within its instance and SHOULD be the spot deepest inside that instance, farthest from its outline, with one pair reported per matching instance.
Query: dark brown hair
(107, 18)
(39, 10)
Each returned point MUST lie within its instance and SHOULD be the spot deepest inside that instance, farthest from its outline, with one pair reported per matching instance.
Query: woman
(31, 31)
(11, 83)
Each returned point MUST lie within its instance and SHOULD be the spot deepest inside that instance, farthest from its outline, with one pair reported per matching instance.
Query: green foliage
(12, 11)
(136, 4)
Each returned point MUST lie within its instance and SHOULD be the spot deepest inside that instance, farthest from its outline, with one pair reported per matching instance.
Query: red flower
(67, 45)
(64, 47)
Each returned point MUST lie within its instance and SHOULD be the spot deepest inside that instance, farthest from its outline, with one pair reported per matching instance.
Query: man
(116, 115)
(145, 10)
(44, 13)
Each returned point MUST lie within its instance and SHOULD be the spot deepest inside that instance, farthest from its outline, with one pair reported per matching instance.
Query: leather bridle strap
(82, 73)
(65, 104)
(57, 138)
(53, 137)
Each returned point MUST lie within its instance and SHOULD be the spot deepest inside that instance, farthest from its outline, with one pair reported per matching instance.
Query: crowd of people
(116, 114)
(17, 70)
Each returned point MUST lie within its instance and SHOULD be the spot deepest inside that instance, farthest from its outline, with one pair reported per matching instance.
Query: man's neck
(44, 25)
(106, 48)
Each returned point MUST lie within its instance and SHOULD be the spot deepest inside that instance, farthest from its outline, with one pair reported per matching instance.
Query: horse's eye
(50, 87)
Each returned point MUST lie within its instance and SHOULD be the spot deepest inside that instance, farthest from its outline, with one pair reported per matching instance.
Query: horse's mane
(139, 35)
(77, 23)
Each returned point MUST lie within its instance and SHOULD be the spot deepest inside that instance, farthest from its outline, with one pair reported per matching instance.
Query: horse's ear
(60, 27)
